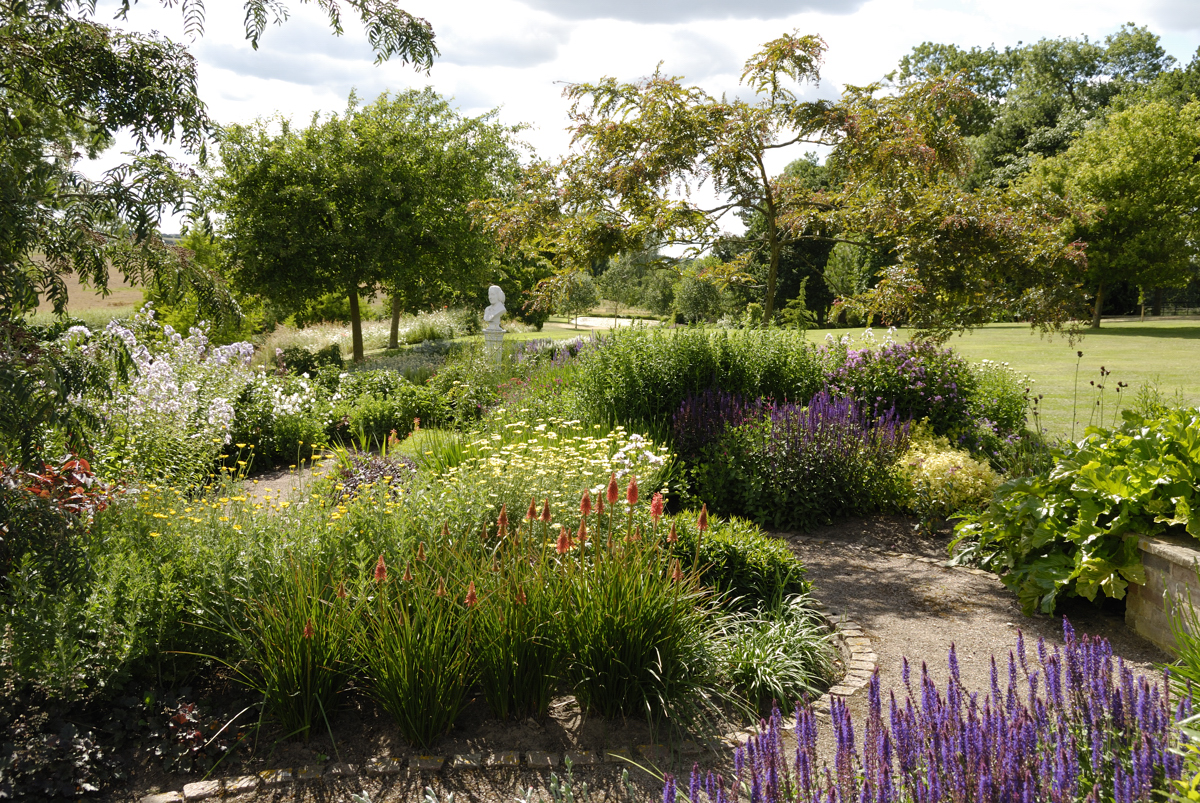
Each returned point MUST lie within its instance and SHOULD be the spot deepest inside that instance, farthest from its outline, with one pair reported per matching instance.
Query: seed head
(380, 570)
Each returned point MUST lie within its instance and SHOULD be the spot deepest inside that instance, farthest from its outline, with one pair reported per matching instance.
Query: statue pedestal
(493, 344)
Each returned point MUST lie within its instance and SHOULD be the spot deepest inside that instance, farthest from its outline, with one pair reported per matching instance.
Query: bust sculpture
(495, 310)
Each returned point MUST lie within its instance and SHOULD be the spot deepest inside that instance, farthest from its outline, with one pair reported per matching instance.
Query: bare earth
(907, 608)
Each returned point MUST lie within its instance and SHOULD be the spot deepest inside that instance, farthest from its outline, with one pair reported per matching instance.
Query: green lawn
(1165, 353)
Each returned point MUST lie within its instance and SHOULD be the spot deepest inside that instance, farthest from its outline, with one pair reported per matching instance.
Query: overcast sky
(516, 54)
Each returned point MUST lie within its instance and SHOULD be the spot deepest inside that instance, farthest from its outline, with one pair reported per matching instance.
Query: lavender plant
(1072, 724)
(801, 465)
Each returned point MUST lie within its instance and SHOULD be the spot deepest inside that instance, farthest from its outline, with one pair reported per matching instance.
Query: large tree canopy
(899, 163)
(1137, 179)
(376, 199)
(68, 85)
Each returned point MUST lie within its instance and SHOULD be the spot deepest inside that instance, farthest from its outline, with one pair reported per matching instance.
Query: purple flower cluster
(1079, 727)
(703, 417)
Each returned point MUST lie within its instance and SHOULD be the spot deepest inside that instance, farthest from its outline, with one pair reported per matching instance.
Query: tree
(1034, 98)
(376, 199)
(1136, 178)
(578, 295)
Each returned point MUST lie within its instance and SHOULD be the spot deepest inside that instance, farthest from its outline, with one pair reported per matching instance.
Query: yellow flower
(155, 535)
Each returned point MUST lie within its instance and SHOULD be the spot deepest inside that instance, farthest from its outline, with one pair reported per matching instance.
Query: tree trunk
(1159, 297)
(356, 324)
(394, 333)
(1099, 306)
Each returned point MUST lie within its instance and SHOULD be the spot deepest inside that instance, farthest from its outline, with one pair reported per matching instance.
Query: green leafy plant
(1062, 532)
(942, 480)
(733, 556)
(415, 645)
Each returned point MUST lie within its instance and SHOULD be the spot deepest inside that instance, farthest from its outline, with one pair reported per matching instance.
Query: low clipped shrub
(799, 466)
(1062, 533)
(371, 406)
(747, 568)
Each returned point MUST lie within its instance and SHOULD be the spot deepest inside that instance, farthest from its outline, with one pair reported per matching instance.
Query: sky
(517, 55)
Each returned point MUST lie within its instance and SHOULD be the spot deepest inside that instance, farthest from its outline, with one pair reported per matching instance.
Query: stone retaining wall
(1170, 565)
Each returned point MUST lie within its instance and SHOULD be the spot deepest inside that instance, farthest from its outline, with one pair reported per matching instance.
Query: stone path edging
(859, 657)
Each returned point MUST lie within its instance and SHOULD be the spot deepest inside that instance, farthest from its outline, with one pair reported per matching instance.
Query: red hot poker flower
(471, 598)
(582, 533)
(502, 522)
(531, 514)
(613, 491)
(702, 522)
(520, 599)
(585, 504)
(564, 543)
(676, 572)
(600, 506)
(407, 574)
(341, 591)
(441, 589)
(656, 507)
(672, 536)
(631, 493)
(421, 552)
(546, 511)
(308, 629)
(380, 570)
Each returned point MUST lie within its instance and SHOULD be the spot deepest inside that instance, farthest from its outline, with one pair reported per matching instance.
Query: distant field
(91, 307)
(1163, 352)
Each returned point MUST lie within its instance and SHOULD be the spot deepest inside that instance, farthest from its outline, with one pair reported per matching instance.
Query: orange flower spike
(676, 572)
(600, 506)
(502, 522)
(407, 574)
(441, 589)
(631, 493)
(582, 533)
(421, 552)
(702, 522)
(380, 570)
(471, 597)
(614, 492)
(546, 511)
(308, 629)
(445, 529)
(531, 514)
(585, 504)
(564, 543)
(672, 536)
(656, 507)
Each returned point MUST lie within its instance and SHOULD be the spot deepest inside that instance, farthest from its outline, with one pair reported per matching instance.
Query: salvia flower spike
(380, 570)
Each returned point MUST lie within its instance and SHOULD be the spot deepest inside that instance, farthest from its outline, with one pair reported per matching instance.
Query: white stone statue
(495, 310)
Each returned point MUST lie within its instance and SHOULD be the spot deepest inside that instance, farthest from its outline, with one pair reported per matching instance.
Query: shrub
(777, 655)
(1073, 725)
(357, 471)
(917, 379)
(299, 360)
(999, 396)
(746, 567)
(697, 300)
(283, 417)
(703, 418)
(638, 375)
(942, 480)
(371, 405)
(799, 466)
(1062, 533)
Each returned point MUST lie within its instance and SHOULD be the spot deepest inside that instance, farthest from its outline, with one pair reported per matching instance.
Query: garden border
(857, 655)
